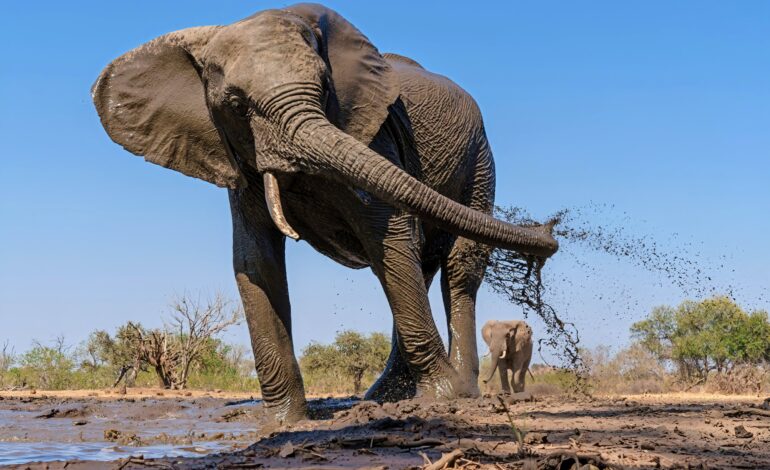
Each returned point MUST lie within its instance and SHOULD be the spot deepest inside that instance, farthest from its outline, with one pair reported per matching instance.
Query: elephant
(510, 346)
(370, 158)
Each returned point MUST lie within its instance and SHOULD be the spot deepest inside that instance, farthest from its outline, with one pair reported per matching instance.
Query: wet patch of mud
(552, 433)
(52, 428)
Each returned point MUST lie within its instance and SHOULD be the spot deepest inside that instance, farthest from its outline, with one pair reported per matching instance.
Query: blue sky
(659, 108)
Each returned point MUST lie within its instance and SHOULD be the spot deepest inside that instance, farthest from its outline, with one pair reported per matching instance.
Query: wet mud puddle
(37, 429)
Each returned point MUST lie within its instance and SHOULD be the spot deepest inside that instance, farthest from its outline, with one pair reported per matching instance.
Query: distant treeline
(713, 345)
(186, 352)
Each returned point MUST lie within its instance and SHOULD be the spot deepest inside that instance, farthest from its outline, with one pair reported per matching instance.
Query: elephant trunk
(496, 356)
(363, 168)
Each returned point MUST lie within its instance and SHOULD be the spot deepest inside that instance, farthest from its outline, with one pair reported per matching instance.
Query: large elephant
(510, 348)
(371, 159)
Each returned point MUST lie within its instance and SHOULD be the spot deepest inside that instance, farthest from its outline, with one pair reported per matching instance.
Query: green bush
(697, 338)
(47, 367)
(350, 364)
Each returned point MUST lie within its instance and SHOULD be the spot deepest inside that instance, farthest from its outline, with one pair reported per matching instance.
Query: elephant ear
(151, 101)
(363, 83)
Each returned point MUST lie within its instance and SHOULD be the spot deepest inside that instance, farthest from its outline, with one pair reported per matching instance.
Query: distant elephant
(371, 159)
(510, 345)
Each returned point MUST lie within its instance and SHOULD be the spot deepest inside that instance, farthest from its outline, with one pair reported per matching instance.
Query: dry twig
(445, 460)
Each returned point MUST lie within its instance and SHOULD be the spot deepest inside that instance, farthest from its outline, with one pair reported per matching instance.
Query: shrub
(353, 361)
(47, 367)
(632, 370)
(741, 379)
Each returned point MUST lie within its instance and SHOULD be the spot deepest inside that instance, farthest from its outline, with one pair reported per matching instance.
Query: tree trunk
(357, 378)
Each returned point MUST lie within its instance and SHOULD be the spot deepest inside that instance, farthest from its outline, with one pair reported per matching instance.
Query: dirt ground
(222, 430)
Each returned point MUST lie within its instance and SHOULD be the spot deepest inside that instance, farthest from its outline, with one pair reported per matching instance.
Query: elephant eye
(235, 102)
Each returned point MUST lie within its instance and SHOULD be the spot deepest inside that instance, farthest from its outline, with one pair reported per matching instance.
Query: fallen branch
(387, 441)
(143, 463)
(445, 460)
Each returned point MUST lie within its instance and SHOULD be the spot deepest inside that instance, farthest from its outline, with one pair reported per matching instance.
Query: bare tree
(194, 324)
(173, 350)
(161, 351)
(6, 357)
(6, 361)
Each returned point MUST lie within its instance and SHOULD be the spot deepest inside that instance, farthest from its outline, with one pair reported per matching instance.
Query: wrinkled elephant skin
(368, 157)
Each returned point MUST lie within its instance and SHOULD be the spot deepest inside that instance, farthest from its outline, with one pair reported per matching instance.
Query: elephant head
(499, 336)
(283, 91)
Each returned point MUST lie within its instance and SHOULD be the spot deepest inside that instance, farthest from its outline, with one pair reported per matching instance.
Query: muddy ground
(213, 431)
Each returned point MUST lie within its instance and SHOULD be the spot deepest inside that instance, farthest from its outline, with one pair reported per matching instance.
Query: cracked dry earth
(662, 431)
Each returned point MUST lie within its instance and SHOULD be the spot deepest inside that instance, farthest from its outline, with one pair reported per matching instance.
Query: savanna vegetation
(349, 365)
(712, 345)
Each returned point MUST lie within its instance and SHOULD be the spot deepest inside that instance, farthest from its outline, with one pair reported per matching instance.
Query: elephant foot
(516, 397)
(283, 412)
(393, 385)
(467, 384)
(448, 386)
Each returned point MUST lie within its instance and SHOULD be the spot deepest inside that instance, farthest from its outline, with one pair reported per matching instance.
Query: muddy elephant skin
(510, 348)
(368, 157)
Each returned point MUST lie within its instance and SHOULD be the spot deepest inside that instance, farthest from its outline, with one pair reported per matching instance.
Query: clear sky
(659, 108)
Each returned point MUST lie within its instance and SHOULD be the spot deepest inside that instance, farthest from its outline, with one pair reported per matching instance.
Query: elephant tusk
(273, 199)
(502, 356)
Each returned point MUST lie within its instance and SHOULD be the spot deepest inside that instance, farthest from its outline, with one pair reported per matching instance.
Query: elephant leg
(504, 383)
(518, 380)
(260, 272)
(461, 274)
(520, 372)
(396, 263)
(396, 381)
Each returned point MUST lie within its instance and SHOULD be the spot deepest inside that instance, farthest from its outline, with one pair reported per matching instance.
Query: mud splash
(518, 278)
(584, 234)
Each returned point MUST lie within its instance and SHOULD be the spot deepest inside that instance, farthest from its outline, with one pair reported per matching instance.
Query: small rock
(647, 446)
(194, 449)
(743, 433)
(48, 414)
(766, 404)
(80, 422)
(287, 450)
(536, 438)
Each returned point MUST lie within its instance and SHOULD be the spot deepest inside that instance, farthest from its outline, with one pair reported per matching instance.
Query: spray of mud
(519, 278)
